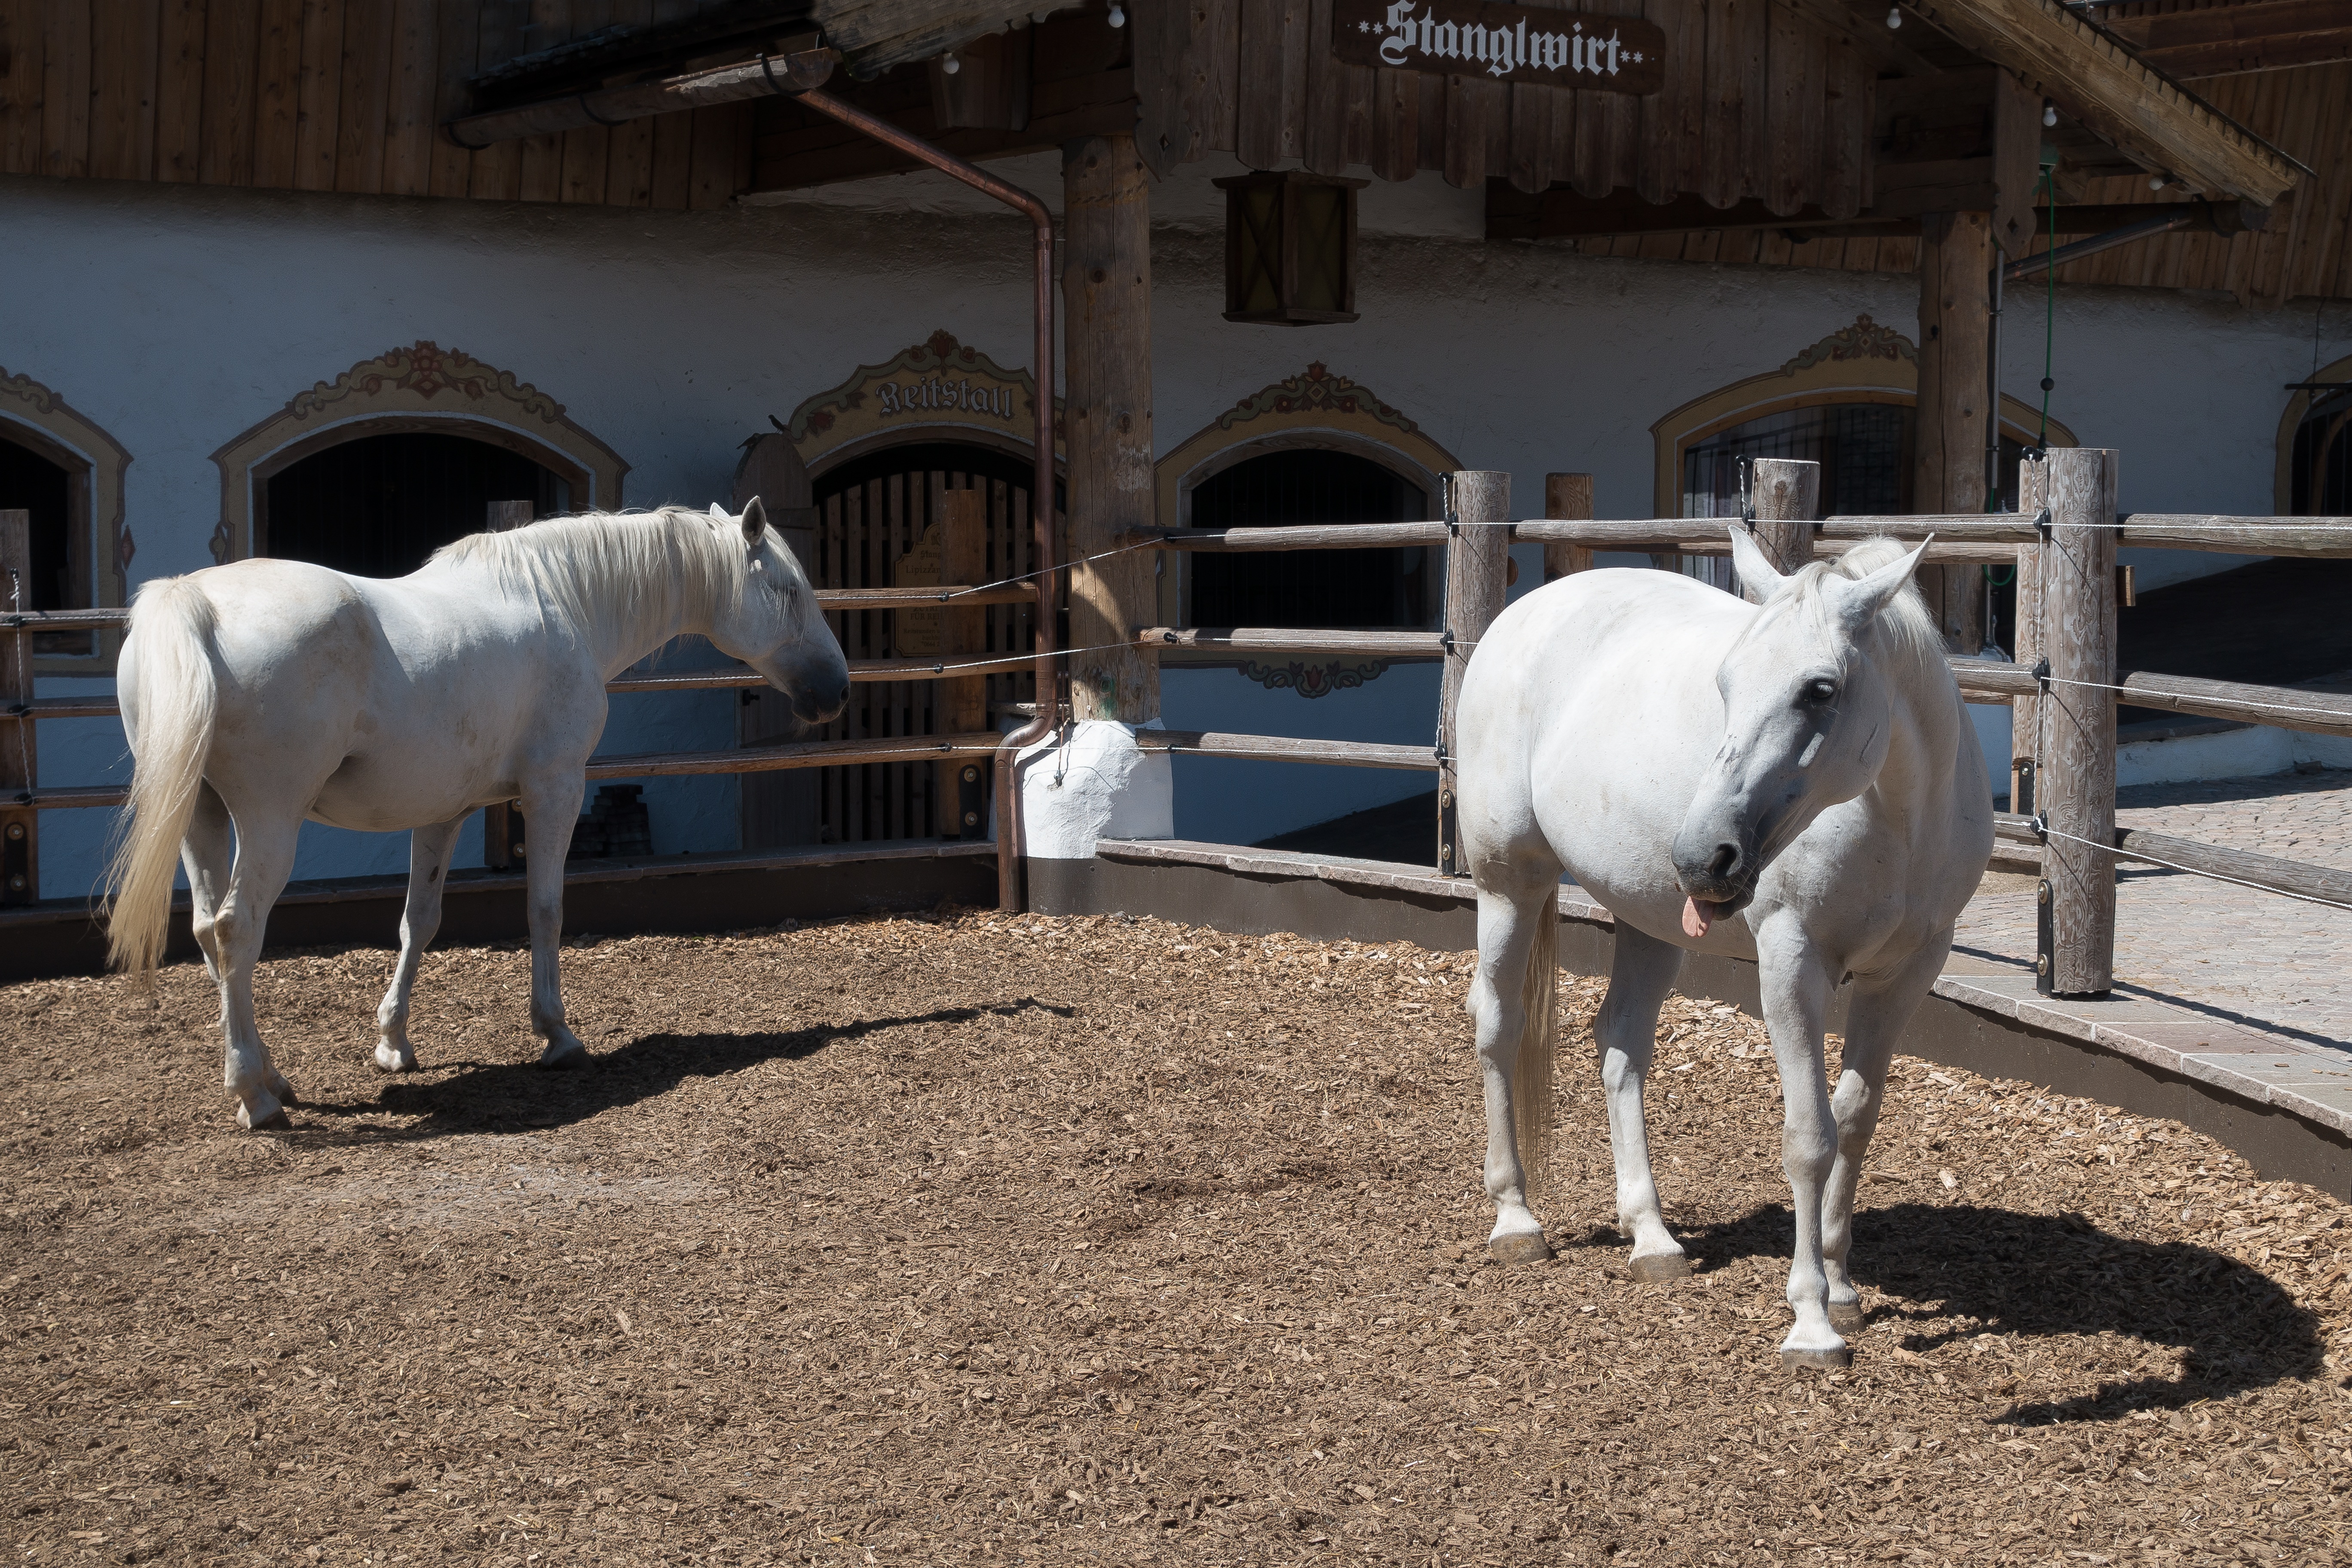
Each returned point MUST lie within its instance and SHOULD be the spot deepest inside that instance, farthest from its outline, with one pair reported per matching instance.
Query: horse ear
(755, 523)
(720, 512)
(1858, 601)
(1750, 561)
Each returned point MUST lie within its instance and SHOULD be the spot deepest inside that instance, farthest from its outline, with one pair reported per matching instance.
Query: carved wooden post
(502, 821)
(960, 707)
(2024, 714)
(2077, 953)
(1478, 567)
(1957, 257)
(20, 831)
(1107, 366)
(1785, 493)
(1567, 498)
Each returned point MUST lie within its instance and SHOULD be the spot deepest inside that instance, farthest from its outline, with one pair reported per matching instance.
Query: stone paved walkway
(2260, 959)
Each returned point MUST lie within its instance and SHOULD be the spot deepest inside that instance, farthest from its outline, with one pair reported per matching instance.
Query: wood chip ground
(974, 1239)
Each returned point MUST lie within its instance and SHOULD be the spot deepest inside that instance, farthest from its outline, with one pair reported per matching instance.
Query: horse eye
(1818, 691)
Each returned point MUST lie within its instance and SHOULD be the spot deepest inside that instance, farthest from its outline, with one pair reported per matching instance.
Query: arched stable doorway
(872, 509)
(1357, 589)
(379, 505)
(33, 480)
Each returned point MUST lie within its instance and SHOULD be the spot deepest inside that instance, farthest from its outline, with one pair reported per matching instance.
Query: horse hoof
(389, 1060)
(562, 1058)
(1826, 1359)
(1660, 1267)
(1846, 1317)
(263, 1114)
(1528, 1247)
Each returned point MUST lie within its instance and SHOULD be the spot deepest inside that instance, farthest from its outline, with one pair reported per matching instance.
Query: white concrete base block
(1092, 781)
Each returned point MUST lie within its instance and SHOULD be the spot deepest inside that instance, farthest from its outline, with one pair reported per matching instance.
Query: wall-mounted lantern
(1290, 249)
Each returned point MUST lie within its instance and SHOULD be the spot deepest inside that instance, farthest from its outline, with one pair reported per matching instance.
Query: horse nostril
(1727, 856)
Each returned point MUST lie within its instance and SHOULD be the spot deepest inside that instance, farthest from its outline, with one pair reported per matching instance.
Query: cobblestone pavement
(2268, 962)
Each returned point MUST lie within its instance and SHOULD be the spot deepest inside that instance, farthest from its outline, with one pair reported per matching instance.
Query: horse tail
(1531, 1074)
(168, 659)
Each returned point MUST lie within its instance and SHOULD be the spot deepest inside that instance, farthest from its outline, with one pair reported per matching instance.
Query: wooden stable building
(329, 278)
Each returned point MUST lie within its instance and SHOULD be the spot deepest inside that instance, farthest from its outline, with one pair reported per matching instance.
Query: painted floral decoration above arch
(414, 388)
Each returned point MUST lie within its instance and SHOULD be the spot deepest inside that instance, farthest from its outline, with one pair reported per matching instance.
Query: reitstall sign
(1510, 43)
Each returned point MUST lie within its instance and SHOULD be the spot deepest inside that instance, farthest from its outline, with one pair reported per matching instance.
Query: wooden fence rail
(2063, 555)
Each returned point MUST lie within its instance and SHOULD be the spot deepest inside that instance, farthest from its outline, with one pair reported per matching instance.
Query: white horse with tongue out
(1796, 783)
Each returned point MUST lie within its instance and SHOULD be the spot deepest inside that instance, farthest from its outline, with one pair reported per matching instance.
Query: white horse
(262, 692)
(1795, 782)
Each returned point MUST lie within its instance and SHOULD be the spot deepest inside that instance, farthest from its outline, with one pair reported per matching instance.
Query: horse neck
(630, 605)
(1920, 749)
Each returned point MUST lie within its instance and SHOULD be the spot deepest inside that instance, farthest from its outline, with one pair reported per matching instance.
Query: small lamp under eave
(1290, 249)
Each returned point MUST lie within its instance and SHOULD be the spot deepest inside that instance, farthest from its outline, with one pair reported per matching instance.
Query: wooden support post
(960, 707)
(1957, 257)
(1107, 368)
(1567, 498)
(502, 821)
(2024, 713)
(1785, 493)
(20, 828)
(2078, 722)
(1477, 568)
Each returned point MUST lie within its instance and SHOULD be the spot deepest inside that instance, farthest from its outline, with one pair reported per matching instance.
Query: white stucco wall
(177, 317)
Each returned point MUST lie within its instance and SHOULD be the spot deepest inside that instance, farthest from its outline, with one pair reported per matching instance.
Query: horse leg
(264, 859)
(429, 867)
(206, 850)
(1508, 932)
(1796, 987)
(1639, 975)
(1881, 1009)
(548, 811)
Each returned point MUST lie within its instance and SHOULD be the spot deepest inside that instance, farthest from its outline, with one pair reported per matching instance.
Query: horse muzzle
(812, 704)
(1717, 867)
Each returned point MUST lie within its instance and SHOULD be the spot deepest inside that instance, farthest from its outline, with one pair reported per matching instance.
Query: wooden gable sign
(1508, 43)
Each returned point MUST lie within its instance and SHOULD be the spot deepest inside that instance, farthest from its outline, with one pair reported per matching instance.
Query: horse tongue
(1696, 917)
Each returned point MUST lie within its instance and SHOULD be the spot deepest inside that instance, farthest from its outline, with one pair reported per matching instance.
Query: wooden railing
(2063, 684)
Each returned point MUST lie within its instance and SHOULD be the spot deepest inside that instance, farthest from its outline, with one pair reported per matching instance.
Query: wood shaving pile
(967, 1238)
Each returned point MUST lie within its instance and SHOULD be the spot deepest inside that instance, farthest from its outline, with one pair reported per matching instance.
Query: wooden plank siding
(1759, 104)
(2305, 254)
(333, 95)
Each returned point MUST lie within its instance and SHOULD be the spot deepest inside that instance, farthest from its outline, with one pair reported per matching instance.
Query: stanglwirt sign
(1508, 43)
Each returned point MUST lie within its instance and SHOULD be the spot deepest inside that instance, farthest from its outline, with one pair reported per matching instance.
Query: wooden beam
(1957, 257)
(2223, 40)
(2097, 80)
(1107, 369)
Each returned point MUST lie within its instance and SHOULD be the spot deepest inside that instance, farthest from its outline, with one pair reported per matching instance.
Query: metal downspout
(1041, 491)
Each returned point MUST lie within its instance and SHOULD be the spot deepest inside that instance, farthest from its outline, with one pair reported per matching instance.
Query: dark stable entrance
(1352, 589)
(378, 506)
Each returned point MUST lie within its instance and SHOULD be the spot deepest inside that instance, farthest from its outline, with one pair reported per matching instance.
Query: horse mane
(621, 569)
(1908, 632)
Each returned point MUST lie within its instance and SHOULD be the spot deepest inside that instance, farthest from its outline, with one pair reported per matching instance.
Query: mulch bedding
(968, 1238)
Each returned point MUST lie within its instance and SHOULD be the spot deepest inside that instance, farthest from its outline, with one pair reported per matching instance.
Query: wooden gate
(867, 517)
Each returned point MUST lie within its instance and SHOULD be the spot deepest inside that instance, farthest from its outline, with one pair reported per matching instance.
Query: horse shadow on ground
(2050, 1274)
(517, 1097)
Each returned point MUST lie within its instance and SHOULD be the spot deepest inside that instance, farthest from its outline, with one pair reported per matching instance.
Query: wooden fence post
(2024, 714)
(960, 707)
(1567, 498)
(1477, 566)
(1785, 494)
(20, 831)
(2077, 953)
(502, 821)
